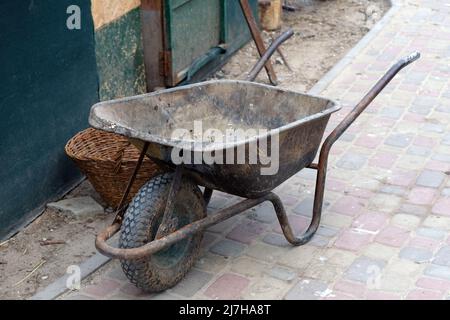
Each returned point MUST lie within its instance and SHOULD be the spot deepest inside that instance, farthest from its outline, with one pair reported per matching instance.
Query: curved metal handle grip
(368, 98)
(269, 52)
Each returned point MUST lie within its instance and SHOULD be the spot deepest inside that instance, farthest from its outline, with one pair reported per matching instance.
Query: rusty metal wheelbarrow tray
(299, 121)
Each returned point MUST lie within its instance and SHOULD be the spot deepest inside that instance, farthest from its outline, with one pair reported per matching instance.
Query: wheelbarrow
(162, 228)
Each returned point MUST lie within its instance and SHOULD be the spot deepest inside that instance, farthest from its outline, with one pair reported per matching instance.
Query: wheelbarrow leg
(316, 214)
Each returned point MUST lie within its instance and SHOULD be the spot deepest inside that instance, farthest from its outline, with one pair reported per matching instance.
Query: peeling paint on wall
(120, 57)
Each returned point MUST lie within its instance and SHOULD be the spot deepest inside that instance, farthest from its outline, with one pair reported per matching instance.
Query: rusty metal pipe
(256, 35)
(269, 52)
(166, 241)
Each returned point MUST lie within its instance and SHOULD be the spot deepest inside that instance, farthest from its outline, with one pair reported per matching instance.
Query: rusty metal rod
(120, 208)
(266, 56)
(166, 241)
(259, 42)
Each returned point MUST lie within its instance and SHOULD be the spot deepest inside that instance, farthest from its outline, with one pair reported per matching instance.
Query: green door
(194, 27)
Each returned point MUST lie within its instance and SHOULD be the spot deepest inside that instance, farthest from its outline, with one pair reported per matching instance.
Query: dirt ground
(324, 32)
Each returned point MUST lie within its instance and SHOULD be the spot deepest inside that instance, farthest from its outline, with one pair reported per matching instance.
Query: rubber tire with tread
(141, 221)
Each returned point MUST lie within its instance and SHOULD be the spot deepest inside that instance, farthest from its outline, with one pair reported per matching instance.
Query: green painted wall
(48, 83)
(120, 57)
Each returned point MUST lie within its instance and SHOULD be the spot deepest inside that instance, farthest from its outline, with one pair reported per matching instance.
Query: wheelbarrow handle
(269, 52)
(368, 98)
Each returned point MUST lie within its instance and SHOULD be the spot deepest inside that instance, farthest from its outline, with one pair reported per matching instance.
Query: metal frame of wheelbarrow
(166, 237)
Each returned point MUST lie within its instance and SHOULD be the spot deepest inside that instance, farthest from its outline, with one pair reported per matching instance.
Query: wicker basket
(108, 160)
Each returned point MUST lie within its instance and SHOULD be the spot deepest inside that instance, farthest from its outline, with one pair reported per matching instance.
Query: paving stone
(102, 289)
(319, 241)
(79, 207)
(192, 283)
(446, 192)
(224, 226)
(211, 262)
(395, 190)
(228, 248)
(433, 284)
(338, 257)
(368, 141)
(363, 268)
(432, 127)
(352, 161)
(307, 289)
(130, 290)
(248, 267)
(305, 207)
(276, 239)
(398, 140)
(371, 221)
(78, 297)
(421, 195)
(385, 202)
(441, 157)
(395, 282)
(437, 271)
(282, 273)
(392, 236)
(349, 206)
(298, 258)
(406, 221)
(392, 112)
(403, 267)
(418, 255)
(424, 243)
(263, 213)
(433, 233)
(421, 294)
(437, 222)
(419, 151)
(337, 220)
(227, 286)
(353, 288)
(446, 139)
(165, 295)
(442, 257)
(327, 231)
(246, 231)
(321, 269)
(351, 240)
(432, 179)
(402, 178)
(266, 288)
(380, 251)
(383, 160)
(381, 295)
(413, 209)
(442, 207)
(264, 252)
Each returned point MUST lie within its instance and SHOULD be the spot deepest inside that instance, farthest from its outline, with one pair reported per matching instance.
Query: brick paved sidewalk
(385, 229)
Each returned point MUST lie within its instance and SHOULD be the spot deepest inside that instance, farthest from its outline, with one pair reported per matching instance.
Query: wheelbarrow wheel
(165, 268)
